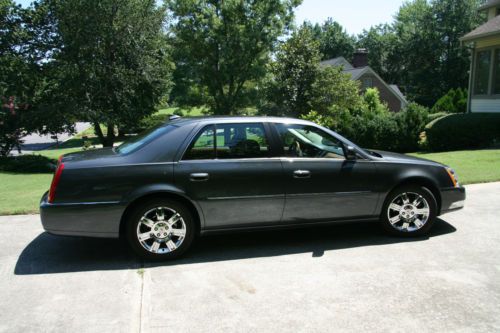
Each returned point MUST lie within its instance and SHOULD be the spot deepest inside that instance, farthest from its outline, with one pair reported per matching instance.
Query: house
(484, 82)
(368, 78)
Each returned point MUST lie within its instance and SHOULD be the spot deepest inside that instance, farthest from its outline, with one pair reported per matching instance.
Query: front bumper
(81, 219)
(452, 199)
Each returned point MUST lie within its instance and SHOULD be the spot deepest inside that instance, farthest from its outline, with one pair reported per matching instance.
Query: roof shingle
(492, 27)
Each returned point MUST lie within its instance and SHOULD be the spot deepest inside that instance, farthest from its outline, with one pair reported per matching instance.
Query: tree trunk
(106, 140)
(110, 137)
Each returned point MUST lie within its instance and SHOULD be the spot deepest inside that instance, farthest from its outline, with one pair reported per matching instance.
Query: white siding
(485, 105)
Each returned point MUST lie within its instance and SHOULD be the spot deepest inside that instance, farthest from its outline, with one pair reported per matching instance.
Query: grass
(471, 166)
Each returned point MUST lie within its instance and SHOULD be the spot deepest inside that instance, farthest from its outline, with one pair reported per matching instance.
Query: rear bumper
(100, 219)
(452, 199)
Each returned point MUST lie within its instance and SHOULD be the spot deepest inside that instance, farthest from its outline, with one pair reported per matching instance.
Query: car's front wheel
(409, 211)
(160, 229)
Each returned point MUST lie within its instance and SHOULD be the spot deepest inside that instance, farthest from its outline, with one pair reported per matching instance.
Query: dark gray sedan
(162, 189)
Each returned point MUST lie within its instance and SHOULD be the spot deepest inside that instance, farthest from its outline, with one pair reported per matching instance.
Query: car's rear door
(230, 171)
(321, 184)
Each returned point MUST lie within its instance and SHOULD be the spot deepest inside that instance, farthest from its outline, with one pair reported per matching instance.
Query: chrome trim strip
(249, 197)
(81, 203)
(329, 194)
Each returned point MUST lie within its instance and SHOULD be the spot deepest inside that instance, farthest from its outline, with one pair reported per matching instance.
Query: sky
(353, 15)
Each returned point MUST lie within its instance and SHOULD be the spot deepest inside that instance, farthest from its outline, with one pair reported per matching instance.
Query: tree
(223, 45)
(455, 101)
(295, 70)
(383, 45)
(299, 84)
(335, 42)
(432, 57)
(113, 63)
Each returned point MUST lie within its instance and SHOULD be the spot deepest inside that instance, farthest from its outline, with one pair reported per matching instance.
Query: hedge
(463, 131)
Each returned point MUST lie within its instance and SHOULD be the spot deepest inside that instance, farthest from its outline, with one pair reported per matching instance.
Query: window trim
(267, 134)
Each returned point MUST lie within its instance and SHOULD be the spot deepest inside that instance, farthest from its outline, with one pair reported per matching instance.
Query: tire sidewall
(137, 213)
(428, 196)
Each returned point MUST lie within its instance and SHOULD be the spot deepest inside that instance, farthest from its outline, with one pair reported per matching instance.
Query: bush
(455, 101)
(377, 128)
(463, 131)
(27, 164)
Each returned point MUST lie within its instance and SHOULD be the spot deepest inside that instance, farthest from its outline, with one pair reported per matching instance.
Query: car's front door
(229, 169)
(321, 184)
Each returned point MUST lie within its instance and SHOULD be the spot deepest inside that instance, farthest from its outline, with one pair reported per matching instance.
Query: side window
(203, 146)
(241, 141)
(229, 141)
(309, 142)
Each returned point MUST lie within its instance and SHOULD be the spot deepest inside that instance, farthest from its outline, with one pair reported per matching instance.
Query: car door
(229, 169)
(321, 184)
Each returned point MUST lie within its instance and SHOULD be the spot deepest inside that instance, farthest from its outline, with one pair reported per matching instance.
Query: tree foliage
(223, 45)
(421, 51)
(299, 84)
(455, 101)
(113, 64)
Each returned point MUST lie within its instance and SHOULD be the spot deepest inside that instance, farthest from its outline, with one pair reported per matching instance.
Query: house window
(367, 82)
(482, 79)
(496, 73)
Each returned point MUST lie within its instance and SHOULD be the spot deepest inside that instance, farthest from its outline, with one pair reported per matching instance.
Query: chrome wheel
(161, 230)
(408, 212)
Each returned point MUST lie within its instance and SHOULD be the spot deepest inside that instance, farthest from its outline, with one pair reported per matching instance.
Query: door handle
(302, 174)
(198, 177)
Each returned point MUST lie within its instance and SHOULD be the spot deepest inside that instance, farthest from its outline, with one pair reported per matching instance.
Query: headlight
(453, 177)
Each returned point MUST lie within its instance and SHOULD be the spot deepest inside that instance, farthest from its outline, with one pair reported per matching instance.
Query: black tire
(396, 228)
(135, 217)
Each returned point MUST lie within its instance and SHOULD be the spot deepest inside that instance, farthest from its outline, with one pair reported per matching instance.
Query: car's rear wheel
(409, 211)
(160, 229)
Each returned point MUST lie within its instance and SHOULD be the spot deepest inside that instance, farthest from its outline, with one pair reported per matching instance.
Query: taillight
(55, 180)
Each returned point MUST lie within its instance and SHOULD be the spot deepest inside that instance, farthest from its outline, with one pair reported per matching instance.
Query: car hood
(401, 158)
(92, 154)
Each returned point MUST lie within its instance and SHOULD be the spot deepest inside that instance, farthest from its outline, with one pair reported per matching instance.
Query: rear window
(136, 142)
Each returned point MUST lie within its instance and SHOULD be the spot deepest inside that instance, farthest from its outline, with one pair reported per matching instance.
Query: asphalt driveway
(339, 278)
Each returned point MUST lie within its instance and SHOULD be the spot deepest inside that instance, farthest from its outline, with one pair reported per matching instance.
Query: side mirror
(350, 153)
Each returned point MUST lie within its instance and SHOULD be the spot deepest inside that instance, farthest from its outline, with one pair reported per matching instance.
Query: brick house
(484, 82)
(368, 78)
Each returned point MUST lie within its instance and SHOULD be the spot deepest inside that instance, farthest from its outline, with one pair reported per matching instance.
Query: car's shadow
(52, 254)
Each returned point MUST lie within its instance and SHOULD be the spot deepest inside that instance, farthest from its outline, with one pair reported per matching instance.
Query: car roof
(236, 119)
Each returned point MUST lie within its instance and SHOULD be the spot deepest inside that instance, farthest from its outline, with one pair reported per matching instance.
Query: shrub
(376, 127)
(27, 164)
(463, 131)
(455, 101)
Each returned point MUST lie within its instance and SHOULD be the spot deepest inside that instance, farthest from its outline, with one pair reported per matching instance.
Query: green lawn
(471, 166)
(20, 193)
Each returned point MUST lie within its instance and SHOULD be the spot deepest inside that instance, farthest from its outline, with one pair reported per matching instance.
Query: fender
(150, 189)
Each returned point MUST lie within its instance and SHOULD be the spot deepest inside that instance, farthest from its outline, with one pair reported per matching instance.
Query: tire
(405, 216)
(166, 228)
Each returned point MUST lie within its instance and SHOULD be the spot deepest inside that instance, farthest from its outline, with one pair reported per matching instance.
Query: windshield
(142, 139)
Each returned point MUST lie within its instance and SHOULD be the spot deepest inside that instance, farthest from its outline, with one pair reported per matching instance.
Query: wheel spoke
(395, 219)
(171, 245)
(179, 232)
(418, 223)
(405, 199)
(394, 206)
(147, 222)
(155, 247)
(144, 236)
(171, 221)
(422, 211)
(417, 201)
(160, 214)
(405, 226)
